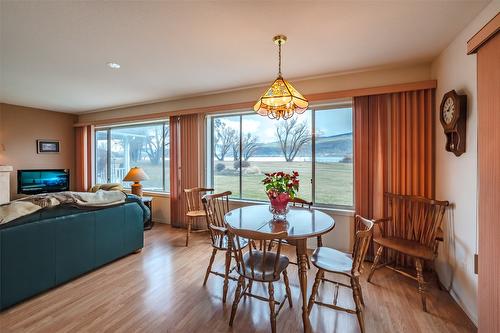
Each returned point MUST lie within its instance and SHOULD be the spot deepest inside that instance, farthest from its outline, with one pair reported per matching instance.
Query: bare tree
(155, 145)
(292, 135)
(236, 149)
(136, 146)
(249, 147)
(224, 138)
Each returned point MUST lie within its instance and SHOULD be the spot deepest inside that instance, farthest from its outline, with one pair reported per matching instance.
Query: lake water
(324, 159)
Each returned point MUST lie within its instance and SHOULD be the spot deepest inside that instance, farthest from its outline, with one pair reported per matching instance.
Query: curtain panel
(394, 151)
(186, 162)
(371, 137)
(83, 151)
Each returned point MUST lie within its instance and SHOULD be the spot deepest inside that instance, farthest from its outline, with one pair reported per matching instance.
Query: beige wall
(161, 207)
(20, 128)
(456, 176)
(345, 81)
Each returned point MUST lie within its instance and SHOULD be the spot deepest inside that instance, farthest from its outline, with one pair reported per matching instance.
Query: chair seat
(196, 213)
(408, 247)
(332, 260)
(263, 270)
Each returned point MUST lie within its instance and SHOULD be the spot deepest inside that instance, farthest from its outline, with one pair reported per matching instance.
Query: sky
(328, 122)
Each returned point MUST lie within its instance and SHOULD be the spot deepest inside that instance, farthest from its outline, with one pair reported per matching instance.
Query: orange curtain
(371, 135)
(83, 151)
(185, 162)
(412, 143)
(394, 150)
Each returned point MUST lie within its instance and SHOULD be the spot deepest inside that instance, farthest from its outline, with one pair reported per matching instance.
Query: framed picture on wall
(47, 146)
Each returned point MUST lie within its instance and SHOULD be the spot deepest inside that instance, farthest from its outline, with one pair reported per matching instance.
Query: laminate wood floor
(160, 290)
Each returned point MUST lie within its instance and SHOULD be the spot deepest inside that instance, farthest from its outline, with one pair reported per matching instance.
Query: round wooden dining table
(301, 224)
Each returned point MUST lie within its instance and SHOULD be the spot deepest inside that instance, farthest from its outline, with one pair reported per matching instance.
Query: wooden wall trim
(318, 97)
(483, 35)
(393, 88)
(167, 114)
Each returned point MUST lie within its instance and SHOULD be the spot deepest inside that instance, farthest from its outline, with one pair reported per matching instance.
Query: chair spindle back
(193, 197)
(216, 206)
(415, 218)
(361, 243)
(298, 202)
(258, 259)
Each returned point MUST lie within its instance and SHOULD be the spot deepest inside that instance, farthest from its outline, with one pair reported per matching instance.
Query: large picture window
(245, 146)
(119, 148)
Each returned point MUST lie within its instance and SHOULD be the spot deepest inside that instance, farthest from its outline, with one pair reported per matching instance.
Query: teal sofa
(50, 247)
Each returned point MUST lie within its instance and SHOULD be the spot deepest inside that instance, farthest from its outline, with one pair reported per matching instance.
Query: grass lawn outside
(334, 181)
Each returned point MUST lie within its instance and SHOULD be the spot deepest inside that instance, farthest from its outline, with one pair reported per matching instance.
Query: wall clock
(453, 116)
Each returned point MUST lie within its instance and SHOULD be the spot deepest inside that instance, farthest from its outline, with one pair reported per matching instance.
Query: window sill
(332, 210)
(152, 194)
(337, 211)
(157, 194)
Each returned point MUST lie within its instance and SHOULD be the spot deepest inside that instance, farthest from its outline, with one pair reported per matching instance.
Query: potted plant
(280, 188)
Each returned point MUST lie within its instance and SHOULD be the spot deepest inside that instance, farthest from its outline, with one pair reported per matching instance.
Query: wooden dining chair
(414, 231)
(216, 206)
(260, 266)
(343, 264)
(299, 202)
(194, 207)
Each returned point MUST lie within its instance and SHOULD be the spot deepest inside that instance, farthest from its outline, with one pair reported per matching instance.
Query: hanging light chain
(279, 58)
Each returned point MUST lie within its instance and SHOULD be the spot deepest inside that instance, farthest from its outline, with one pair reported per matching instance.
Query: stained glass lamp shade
(281, 100)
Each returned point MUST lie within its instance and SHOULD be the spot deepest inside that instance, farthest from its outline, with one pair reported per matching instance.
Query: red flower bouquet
(280, 188)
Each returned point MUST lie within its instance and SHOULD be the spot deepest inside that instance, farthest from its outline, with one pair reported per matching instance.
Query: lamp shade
(281, 100)
(136, 174)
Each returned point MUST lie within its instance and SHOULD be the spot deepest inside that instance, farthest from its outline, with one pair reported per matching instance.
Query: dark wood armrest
(440, 235)
(382, 220)
(220, 230)
(380, 226)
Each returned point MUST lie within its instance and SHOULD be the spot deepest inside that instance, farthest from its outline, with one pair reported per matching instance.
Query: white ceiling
(53, 54)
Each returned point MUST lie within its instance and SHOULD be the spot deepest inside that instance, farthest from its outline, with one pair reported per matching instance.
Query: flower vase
(279, 206)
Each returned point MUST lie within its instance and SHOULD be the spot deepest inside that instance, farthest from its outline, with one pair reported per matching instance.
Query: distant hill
(334, 145)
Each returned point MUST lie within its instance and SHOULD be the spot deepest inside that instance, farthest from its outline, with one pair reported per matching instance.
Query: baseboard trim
(472, 317)
(161, 221)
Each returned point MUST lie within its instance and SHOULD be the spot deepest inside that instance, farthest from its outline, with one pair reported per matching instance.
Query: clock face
(448, 110)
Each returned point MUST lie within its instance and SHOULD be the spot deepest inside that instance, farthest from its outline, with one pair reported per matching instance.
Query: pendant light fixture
(281, 100)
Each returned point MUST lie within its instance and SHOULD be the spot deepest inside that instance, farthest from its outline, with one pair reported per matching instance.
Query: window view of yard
(145, 146)
(270, 146)
(244, 148)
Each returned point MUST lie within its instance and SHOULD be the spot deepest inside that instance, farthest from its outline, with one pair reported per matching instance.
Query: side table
(148, 202)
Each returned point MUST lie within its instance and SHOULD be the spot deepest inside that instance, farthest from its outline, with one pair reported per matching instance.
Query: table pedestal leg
(301, 247)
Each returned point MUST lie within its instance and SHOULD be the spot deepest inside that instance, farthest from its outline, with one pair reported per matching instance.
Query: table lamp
(136, 175)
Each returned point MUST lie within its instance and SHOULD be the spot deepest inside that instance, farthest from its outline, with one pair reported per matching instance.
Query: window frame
(348, 103)
(107, 129)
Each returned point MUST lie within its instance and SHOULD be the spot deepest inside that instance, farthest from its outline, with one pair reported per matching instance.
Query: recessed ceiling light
(113, 65)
